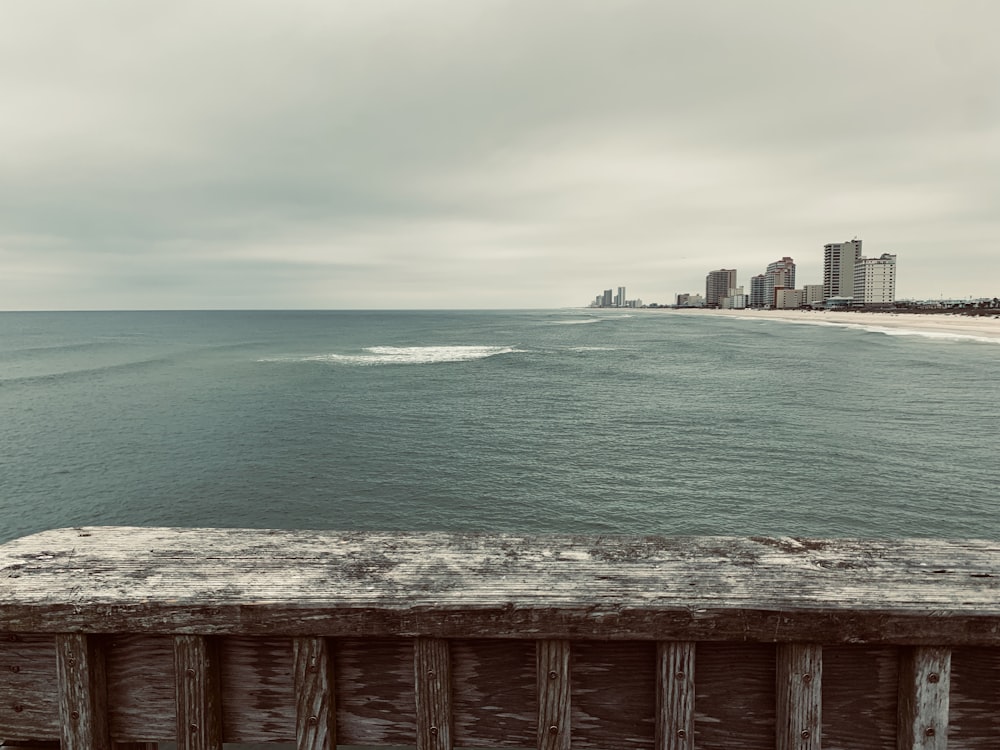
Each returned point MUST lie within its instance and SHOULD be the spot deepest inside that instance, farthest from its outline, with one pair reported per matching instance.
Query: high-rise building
(717, 285)
(758, 292)
(606, 300)
(875, 280)
(780, 274)
(839, 259)
(620, 297)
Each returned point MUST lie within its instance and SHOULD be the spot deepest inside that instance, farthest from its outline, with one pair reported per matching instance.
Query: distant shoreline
(943, 323)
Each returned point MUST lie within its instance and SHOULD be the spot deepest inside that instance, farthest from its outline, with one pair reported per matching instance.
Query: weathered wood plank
(433, 684)
(29, 701)
(494, 695)
(142, 688)
(376, 704)
(554, 683)
(199, 700)
(83, 692)
(974, 699)
(734, 701)
(613, 695)
(860, 697)
(675, 686)
(924, 687)
(315, 702)
(799, 696)
(109, 580)
(259, 698)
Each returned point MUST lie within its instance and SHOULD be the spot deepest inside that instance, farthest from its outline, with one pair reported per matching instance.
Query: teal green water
(548, 421)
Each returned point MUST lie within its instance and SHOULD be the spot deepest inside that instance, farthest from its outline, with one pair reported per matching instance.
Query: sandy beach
(978, 328)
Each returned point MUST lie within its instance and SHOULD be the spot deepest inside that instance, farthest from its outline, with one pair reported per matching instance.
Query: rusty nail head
(929, 731)
(681, 733)
(12, 637)
(14, 668)
(71, 661)
(18, 708)
(807, 678)
(933, 677)
(553, 729)
(313, 668)
(193, 728)
(74, 715)
(434, 731)
(553, 675)
(190, 672)
(805, 734)
(313, 721)
(430, 672)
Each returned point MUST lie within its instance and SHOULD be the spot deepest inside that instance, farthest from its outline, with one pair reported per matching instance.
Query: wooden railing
(198, 636)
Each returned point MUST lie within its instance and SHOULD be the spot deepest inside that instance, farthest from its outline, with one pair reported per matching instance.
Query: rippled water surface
(552, 421)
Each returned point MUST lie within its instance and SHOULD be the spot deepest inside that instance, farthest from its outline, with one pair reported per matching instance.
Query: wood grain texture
(798, 696)
(734, 701)
(613, 695)
(433, 684)
(860, 697)
(554, 683)
(141, 688)
(315, 701)
(675, 690)
(974, 703)
(29, 702)
(81, 673)
(288, 583)
(494, 695)
(924, 687)
(199, 700)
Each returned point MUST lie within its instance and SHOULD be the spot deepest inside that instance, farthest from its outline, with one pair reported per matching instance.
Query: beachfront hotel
(717, 286)
(875, 280)
(839, 259)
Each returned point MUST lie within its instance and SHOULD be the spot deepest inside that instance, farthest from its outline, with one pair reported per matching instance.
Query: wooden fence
(132, 636)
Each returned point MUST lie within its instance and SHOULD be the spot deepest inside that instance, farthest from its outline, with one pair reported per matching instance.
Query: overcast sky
(481, 154)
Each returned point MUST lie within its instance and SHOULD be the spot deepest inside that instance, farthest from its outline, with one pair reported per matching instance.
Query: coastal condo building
(717, 286)
(875, 280)
(839, 259)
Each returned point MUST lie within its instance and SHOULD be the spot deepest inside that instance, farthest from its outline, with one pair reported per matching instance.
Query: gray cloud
(392, 154)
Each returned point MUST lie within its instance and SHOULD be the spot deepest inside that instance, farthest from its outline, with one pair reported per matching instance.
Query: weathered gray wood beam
(315, 700)
(83, 692)
(675, 669)
(924, 687)
(554, 724)
(199, 700)
(335, 584)
(433, 685)
(799, 696)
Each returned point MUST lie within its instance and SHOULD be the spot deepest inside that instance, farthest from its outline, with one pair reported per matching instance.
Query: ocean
(582, 421)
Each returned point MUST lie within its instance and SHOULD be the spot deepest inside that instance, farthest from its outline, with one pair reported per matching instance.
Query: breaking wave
(412, 355)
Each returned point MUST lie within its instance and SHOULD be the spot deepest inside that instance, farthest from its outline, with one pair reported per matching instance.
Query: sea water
(586, 421)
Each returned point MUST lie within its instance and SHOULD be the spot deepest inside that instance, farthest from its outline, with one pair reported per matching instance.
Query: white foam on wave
(575, 322)
(413, 355)
(941, 335)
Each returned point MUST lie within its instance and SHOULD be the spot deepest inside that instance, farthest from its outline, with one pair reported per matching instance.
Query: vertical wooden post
(432, 685)
(924, 685)
(675, 695)
(553, 660)
(199, 701)
(315, 702)
(83, 692)
(799, 696)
